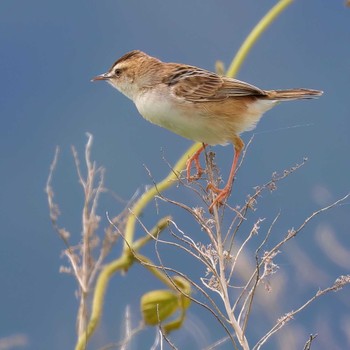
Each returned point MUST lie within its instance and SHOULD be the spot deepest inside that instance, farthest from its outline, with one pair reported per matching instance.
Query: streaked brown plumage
(195, 103)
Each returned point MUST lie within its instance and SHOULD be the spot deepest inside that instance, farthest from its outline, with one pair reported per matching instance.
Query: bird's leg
(222, 194)
(195, 158)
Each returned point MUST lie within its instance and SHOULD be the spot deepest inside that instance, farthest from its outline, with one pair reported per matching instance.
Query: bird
(197, 104)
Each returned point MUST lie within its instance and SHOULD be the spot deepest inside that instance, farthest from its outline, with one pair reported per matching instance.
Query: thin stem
(167, 182)
(97, 303)
(255, 35)
(225, 294)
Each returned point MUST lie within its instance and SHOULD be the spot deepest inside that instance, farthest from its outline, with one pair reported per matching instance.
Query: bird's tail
(292, 94)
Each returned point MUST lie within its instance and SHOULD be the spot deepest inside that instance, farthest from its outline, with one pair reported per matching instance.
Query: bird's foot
(195, 159)
(221, 195)
(200, 172)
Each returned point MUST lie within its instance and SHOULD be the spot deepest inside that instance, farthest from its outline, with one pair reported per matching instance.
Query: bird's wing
(198, 85)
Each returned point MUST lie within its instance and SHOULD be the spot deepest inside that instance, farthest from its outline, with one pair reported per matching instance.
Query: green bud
(158, 305)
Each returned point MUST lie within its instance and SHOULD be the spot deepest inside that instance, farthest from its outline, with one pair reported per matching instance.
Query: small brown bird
(196, 104)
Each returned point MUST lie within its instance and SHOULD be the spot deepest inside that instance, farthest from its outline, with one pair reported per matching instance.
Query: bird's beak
(104, 76)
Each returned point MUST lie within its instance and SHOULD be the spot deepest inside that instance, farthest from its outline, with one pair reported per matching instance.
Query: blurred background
(49, 53)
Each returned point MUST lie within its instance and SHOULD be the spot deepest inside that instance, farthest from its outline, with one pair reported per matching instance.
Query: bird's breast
(209, 122)
(178, 116)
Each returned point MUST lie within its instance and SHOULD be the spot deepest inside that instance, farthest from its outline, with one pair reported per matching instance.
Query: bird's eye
(117, 72)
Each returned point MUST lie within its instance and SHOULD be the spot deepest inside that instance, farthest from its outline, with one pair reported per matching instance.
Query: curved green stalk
(255, 35)
(121, 264)
(167, 182)
(97, 304)
(124, 261)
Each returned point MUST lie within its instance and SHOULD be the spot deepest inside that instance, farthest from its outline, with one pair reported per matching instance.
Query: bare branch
(282, 321)
(307, 345)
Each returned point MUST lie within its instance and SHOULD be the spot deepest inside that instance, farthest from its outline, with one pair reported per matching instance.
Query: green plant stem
(100, 290)
(154, 233)
(167, 182)
(147, 263)
(254, 35)
(121, 264)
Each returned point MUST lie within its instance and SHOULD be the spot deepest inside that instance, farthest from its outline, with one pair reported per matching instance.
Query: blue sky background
(49, 53)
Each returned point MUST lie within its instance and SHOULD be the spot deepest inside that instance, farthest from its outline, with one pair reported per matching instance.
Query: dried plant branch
(222, 255)
(165, 337)
(153, 234)
(90, 224)
(82, 260)
(197, 251)
(293, 232)
(252, 199)
(168, 181)
(224, 289)
(253, 232)
(217, 313)
(120, 264)
(97, 303)
(158, 272)
(282, 321)
(130, 333)
(54, 214)
(248, 302)
(53, 207)
(196, 213)
(307, 345)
